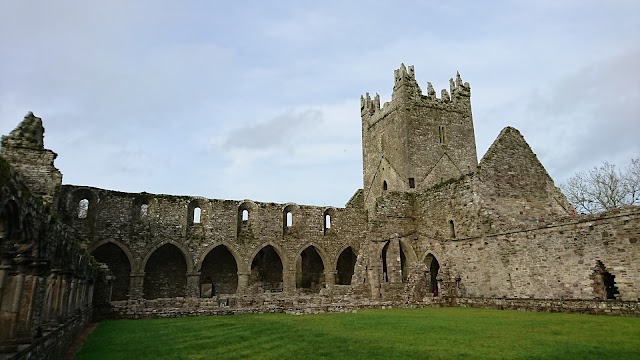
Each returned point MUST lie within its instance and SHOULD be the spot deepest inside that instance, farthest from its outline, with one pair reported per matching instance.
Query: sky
(260, 99)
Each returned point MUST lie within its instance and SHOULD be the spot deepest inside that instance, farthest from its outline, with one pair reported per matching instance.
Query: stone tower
(416, 141)
(24, 149)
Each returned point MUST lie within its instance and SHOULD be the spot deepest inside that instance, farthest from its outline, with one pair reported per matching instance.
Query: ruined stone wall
(140, 224)
(514, 189)
(46, 278)
(556, 261)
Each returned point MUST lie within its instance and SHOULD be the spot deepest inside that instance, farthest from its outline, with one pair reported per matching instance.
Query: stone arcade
(430, 227)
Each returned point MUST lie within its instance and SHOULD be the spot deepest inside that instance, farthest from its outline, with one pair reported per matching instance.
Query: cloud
(278, 131)
(584, 118)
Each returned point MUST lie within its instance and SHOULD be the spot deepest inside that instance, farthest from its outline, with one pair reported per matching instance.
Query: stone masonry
(431, 226)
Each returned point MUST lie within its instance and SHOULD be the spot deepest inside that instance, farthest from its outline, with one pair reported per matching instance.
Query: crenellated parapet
(407, 90)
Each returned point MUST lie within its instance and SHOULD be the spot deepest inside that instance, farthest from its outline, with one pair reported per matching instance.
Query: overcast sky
(260, 99)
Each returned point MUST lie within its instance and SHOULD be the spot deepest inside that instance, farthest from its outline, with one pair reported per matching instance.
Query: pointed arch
(345, 265)
(232, 249)
(267, 269)
(165, 272)
(218, 272)
(184, 250)
(433, 268)
(9, 223)
(310, 267)
(115, 256)
(122, 247)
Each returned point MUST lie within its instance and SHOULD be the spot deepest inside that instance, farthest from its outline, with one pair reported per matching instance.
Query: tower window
(412, 183)
(442, 134)
(327, 221)
(144, 210)
(83, 209)
(245, 216)
(384, 185)
(196, 215)
(289, 219)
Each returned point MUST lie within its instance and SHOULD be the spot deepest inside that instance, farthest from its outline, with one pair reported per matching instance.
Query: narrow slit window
(412, 183)
(442, 134)
(196, 215)
(384, 185)
(327, 221)
(289, 219)
(453, 229)
(144, 210)
(245, 216)
(83, 209)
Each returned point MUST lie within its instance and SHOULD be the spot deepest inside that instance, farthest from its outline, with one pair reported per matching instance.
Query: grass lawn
(446, 333)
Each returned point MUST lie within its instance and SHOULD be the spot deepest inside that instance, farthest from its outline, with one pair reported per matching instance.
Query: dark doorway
(220, 269)
(266, 270)
(165, 274)
(346, 266)
(433, 267)
(310, 270)
(117, 261)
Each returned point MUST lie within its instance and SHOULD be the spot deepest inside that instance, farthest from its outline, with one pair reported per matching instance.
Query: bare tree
(603, 188)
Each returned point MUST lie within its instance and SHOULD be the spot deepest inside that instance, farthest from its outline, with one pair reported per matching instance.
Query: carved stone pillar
(289, 281)
(243, 282)
(193, 285)
(330, 279)
(7, 292)
(374, 274)
(136, 286)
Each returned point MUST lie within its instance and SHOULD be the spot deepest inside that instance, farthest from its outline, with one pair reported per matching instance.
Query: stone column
(289, 281)
(5, 267)
(48, 316)
(72, 296)
(374, 274)
(330, 279)
(193, 285)
(25, 317)
(136, 286)
(18, 290)
(243, 282)
(7, 290)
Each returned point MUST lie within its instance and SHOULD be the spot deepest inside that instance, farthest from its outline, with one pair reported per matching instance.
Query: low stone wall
(54, 344)
(314, 304)
(596, 307)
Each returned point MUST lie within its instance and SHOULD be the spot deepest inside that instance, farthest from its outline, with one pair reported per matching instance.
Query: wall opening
(144, 210)
(384, 185)
(346, 266)
(245, 216)
(83, 209)
(289, 219)
(452, 229)
(385, 268)
(220, 271)
(118, 262)
(432, 272)
(165, 274)
(403, 263)
(326, 219)
(604, 284)
(310, 271)
(412, 183)
(442, 134)
(266, 271)
(197, 212)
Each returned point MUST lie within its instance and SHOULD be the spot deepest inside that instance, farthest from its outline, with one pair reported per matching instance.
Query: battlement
(406, 88)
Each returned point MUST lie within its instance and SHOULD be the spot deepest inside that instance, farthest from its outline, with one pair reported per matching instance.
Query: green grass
(449, 333)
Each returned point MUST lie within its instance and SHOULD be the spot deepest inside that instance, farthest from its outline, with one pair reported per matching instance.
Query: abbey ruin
(431, 226)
